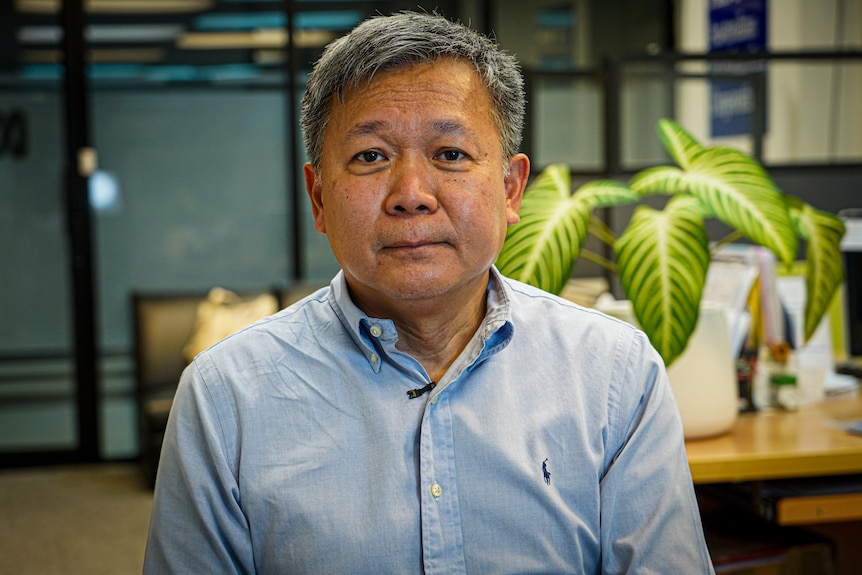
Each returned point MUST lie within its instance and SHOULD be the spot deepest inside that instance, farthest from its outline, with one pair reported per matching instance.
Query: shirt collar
(494, 333)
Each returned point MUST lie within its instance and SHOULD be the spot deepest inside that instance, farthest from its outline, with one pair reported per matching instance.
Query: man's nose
(412, 189)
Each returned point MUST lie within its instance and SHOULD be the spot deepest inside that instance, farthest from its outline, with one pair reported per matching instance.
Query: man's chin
(416, 290)
(414, 287)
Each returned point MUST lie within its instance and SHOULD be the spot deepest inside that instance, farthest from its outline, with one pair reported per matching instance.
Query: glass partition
(38, 412)
(197, 183)
(789, 108)
(567, 121)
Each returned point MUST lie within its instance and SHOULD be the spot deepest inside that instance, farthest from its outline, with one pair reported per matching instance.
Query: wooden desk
(782, 444)
(786, 445)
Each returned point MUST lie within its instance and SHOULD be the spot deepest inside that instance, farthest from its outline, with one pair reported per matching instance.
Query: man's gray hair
(406, 39)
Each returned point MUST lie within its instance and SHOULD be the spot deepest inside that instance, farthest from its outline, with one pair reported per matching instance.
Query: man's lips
(415, 240)
(412, 244)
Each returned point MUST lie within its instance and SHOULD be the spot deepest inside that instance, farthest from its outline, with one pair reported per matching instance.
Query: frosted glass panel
(37, 409)
(567, 115)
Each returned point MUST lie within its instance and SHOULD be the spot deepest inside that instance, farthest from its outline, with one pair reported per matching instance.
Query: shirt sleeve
(650, 521)
(197, 524)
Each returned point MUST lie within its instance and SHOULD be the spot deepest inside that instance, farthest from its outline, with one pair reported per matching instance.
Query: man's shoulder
(286, 328)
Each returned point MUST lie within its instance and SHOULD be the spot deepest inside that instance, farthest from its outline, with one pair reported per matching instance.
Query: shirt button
(376, 331)
(436, 490)
(374, 358)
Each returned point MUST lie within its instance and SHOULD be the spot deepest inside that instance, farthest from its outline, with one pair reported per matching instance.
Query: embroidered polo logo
(545, 472)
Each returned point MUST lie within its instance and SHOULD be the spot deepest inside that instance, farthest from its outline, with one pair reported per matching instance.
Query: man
(423, 413)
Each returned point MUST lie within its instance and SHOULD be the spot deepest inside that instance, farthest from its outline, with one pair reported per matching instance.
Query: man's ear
(314, 188)
(515, 182)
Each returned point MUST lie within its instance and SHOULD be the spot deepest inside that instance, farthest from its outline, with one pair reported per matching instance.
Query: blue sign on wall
(735, 26)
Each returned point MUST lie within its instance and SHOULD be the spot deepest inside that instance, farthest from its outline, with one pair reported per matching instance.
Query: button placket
(442, 541)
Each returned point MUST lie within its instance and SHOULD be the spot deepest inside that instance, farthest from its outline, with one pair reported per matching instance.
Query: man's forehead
(361, 84)
(366, 109)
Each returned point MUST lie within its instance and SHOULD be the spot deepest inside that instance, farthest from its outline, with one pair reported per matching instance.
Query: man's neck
(435, 332)
(436, 344)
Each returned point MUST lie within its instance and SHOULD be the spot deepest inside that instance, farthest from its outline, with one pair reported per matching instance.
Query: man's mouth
(412, 244)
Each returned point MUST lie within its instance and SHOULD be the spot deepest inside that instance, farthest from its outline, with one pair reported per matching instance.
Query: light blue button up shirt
(551, 445)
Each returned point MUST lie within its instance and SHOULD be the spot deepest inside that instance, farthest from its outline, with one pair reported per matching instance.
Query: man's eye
(452, 155)
(369, 157)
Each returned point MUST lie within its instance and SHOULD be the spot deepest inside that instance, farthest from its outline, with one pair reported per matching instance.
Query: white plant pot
(703, 378)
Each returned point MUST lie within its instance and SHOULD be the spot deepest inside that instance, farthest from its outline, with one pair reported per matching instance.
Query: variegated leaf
(736, 189)
(678, 142)
(824, 270)
(605, 194)
(663, 257)
(667, 180)
(541, 249)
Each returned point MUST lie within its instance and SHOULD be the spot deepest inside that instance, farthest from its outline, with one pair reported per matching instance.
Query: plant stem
(601, 230)
(729, 238)
(599, 260)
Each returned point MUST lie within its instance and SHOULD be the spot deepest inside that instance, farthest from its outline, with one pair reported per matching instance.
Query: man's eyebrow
(447, 127)
(365, 128)
(450, 127)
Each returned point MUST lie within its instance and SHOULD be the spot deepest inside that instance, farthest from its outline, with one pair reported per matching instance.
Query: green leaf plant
(662, 256)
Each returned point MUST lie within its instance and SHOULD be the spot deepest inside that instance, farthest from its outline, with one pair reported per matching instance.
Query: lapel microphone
(414, 393)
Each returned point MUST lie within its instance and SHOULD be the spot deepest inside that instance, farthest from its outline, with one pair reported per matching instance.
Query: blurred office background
(152, 145)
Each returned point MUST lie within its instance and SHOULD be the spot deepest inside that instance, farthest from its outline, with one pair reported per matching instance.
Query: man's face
(411, 190)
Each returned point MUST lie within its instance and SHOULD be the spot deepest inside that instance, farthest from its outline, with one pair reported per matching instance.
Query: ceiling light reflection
(118, 6)
(264, 38)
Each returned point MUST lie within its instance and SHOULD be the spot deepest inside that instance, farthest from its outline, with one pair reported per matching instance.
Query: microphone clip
(414, 393)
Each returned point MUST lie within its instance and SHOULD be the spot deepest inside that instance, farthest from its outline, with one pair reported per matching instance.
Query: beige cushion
(223, 313)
